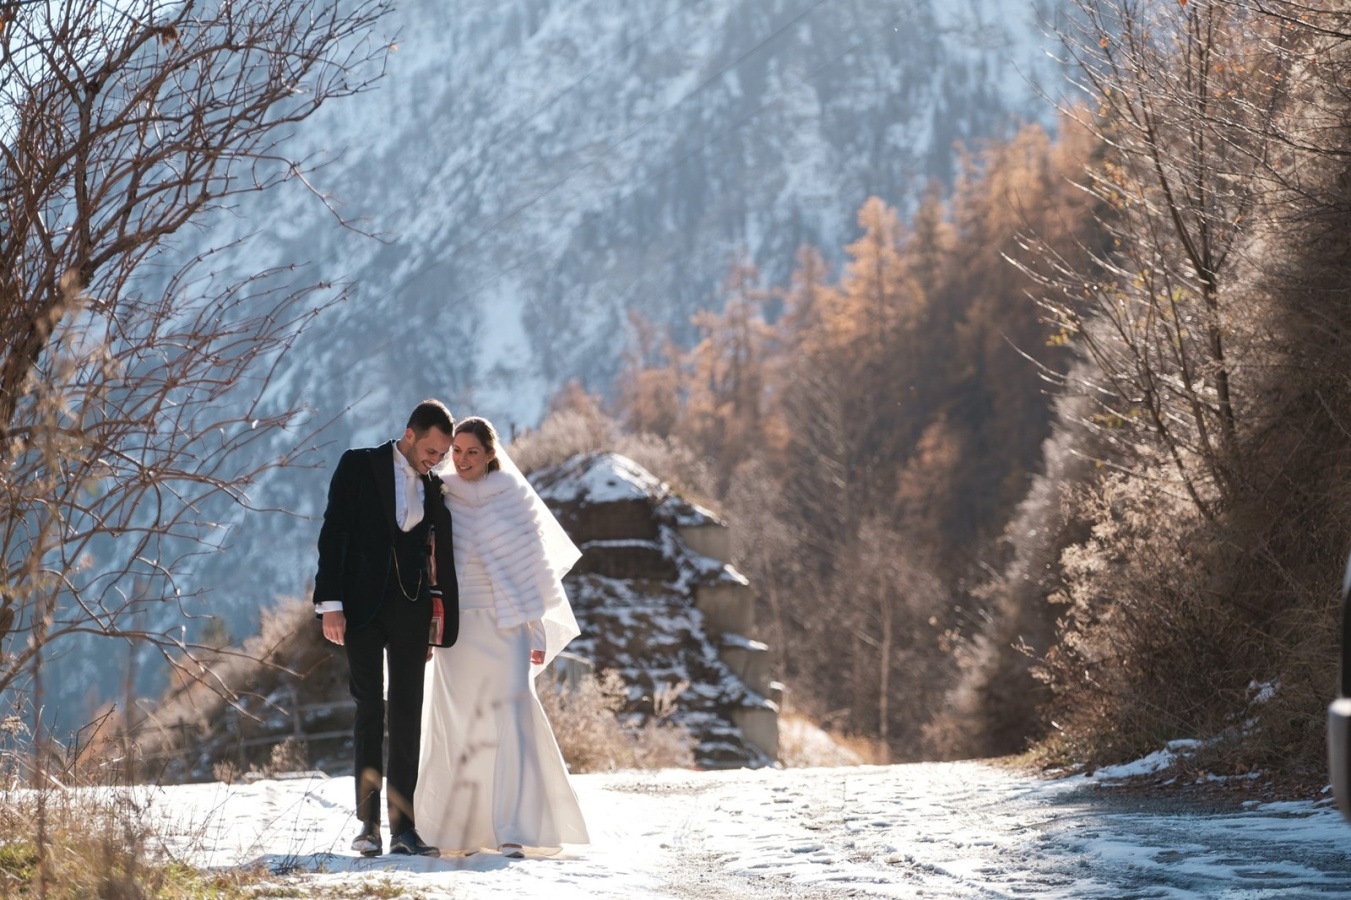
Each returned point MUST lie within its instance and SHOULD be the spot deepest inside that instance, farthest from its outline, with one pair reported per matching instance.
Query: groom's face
(426, 451)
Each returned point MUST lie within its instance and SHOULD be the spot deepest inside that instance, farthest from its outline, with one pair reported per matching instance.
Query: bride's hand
(536, 657)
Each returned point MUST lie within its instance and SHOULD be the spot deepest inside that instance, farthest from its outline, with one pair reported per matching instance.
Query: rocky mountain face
(537, 169)
(529, 172)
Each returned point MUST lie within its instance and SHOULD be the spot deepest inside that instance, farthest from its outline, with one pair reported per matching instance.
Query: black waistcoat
(411, 576)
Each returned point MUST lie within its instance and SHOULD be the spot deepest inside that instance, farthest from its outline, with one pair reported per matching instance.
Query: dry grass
(585, 720)
(74, 825)
(803, 744)
(97, 840)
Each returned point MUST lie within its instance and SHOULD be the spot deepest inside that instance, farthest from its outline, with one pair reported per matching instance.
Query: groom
(373, 592)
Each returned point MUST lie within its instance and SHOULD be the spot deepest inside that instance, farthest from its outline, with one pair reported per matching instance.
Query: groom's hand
(335, 627)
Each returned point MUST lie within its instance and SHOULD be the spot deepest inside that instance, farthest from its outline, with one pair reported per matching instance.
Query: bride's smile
(469, 457)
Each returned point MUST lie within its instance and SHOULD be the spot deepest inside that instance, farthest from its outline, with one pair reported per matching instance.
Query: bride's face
(470, 458)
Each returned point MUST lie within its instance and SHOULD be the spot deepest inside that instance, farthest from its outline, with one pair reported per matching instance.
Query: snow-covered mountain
(533, 170)
(537, 168)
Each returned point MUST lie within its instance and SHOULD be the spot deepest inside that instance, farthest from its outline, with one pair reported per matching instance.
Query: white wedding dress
(490, 771)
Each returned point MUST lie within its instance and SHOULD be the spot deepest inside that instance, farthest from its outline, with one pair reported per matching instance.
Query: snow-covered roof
(599, 478)
(594, 479)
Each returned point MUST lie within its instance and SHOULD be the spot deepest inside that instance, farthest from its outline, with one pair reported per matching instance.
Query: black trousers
(399, 631)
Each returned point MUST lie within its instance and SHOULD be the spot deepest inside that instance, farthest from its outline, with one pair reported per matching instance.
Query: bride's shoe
(512, 851)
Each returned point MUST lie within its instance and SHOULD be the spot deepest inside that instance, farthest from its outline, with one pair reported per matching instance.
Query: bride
(491, 772)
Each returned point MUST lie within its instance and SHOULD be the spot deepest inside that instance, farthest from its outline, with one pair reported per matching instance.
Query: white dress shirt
(408, 493)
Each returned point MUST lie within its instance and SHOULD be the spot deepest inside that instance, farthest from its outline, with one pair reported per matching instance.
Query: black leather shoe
(368, 842)
(409, 844)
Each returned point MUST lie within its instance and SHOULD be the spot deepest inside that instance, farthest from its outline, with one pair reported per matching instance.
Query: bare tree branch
(137, 390)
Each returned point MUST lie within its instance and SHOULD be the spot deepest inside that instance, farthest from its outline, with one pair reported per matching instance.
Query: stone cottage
(658, 601)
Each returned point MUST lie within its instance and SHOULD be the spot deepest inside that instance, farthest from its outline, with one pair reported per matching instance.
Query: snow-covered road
(928, 830)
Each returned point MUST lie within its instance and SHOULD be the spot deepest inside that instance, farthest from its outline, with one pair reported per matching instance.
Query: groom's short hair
(431, 414)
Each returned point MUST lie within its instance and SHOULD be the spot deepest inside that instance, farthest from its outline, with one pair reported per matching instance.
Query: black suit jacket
(356, 540)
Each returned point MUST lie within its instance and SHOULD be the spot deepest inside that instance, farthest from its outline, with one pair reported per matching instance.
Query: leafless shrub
(288, 662)
(561, 436)
(101, 836)
(226, 772)
(291, 755)
(1218, 519)
(569, 432)
(1149, 650)
(1180, 97)
(995, 706)
(803, 744)
(1150, 631)
(673, 462)
(586, 723)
